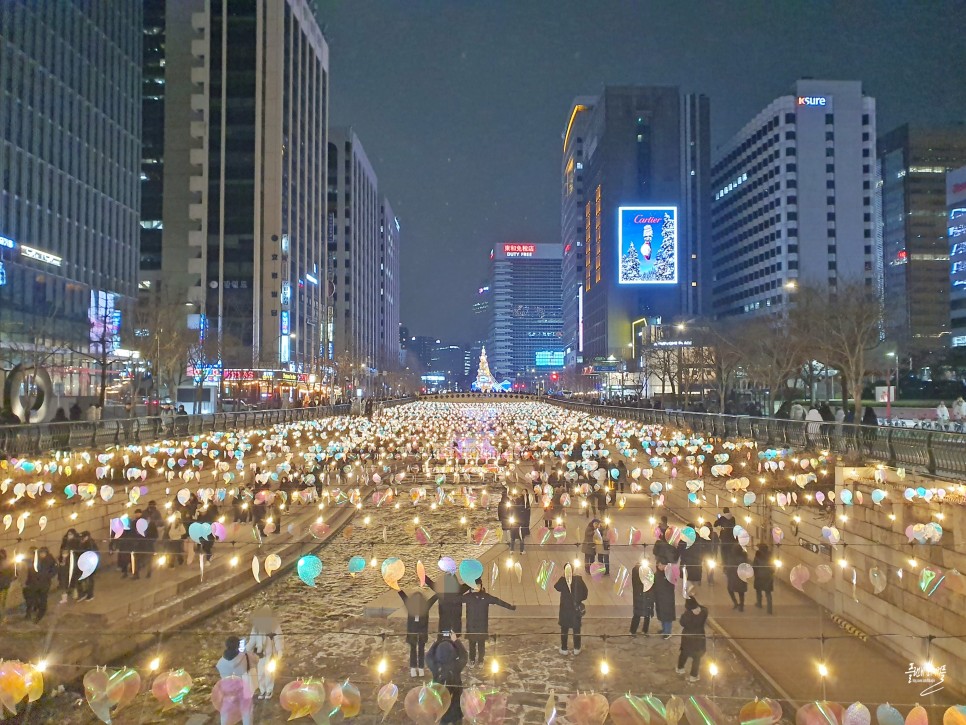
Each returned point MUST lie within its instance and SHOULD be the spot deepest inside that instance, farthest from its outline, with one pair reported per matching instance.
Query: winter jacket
(450, 593)
(664, 597)
(521, 511)
(505, 510)
(39, 579)
(417, 611)
(446, 660)
(735, 582)
(692, 630)
(764, 571)
(478, 611)
(643, 600)
(691, 558)
(570, 597)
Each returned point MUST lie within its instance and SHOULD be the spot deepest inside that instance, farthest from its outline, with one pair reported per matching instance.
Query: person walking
(589, 546)
(621, 476)
(446, 659)
(85, 586)
(67, 571)
(41, 571)
(602, 545)
(692, 559)
(573, 594)
(643, 597)
(239, 668)
(417, 628)
(478, 602)
(6, 579)
(736, 585)
(265, 642)
(664, 605)
(505, 512)
(693, 643)
(764, 566)
(519, 520)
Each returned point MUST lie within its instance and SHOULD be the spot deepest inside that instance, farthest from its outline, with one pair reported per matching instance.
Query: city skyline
(509, 93)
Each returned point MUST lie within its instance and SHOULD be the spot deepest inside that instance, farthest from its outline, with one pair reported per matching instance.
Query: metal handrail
(28, 439)
(936, 452)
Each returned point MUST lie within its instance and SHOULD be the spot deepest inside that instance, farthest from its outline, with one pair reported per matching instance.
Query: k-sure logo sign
(814, 102)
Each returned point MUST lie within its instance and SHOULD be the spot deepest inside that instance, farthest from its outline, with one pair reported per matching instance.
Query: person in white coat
(942, 415)
(266, 642)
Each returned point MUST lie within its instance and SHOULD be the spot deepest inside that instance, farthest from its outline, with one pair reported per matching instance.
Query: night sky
(460, 104)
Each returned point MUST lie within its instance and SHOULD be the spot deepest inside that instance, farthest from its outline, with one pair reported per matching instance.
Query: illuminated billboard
(104, 320)
(548, 358)
(647, 249)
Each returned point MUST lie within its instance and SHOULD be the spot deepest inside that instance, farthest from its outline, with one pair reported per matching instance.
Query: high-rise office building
(389, 288)
(354, 218)
(956, 232)
(913, 163)
(243, 227)
(572, 202)
(526, 326)
(645, 159)
(70, 136)
(793, 199)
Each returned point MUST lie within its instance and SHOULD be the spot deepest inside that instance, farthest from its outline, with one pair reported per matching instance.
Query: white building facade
(793, 199)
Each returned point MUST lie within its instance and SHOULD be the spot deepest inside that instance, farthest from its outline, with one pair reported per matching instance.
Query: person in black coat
(643, 601)
(692, 559)
(478, 603)
(446, 660)
(726, 523)
(764, 566)
(505, 511)
(36, 587)
(85, 586)
(519, 520)
(621, 476)
(692, 637)
(417, 628)
(664, 599)
(573, 594)
(450, 593)
(736, 585)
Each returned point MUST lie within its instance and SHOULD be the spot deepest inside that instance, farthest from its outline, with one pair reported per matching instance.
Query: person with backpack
(573, 594)
(692, 637)
(446, 659)
(478, 603)
(417, 628)
(265, 642)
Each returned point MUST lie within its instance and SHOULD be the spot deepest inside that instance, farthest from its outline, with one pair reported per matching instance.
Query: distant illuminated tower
(484, 379)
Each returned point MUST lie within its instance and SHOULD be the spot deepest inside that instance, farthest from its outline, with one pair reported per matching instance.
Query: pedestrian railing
(36, 438)
(935, 451)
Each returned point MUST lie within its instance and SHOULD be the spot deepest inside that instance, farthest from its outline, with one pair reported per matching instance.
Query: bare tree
(772, 354)
(160, 333)
(843, 327)
(721, 346)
